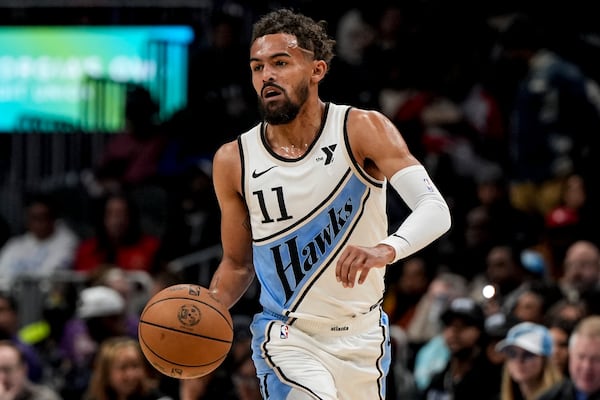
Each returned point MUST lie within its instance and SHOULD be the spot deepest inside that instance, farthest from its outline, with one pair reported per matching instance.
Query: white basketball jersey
(303, 212)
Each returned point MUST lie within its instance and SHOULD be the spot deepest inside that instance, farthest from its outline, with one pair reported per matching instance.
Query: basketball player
(302, 196)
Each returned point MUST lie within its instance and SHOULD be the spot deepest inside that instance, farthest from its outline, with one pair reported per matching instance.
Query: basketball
(184, 332)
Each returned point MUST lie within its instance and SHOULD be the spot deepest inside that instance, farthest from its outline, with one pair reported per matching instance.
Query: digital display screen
(77, 74)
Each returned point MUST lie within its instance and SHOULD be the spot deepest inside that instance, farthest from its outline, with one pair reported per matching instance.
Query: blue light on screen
(48, 71)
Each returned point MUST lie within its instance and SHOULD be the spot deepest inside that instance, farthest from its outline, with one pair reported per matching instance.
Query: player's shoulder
(365, 117)
(228, 154)
(226, 168)
(366, 123)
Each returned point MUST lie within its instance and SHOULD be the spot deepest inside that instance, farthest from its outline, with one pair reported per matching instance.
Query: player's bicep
(236, 237)
(375, 139)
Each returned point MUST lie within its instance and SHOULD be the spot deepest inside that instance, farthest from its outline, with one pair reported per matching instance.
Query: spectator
(134, 286)
(567, 310)
(496, 327)
(120, 372)
(14, 384)
(561, 319)
(492, 220)
(584, 364)
(101, 314)
(473, 242)
(119, 238)
(560, 330)
(425, 331)
(48, 244)
(425, 323)
(401, 382)
(225, 97)
(468, 374)
(402, 297)
(131, 158)
(193, 221)
(528, 369)
(243, 372)
(555, 107)
(245, 382)
(532, 301)
(163, 279)
(581, 269)
(9, 330)
(505, 272)
(354, 36)
(570, 220)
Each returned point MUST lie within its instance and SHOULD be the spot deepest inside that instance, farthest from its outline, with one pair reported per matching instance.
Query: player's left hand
(356, 261)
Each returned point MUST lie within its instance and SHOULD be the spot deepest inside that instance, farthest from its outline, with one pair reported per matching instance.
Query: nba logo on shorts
(284, 332)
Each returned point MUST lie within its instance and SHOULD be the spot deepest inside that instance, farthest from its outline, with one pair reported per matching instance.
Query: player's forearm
(421, 227)
(430, 217)
(229, 282)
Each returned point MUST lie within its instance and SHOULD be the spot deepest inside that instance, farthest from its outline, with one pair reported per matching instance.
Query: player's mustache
(271, 84)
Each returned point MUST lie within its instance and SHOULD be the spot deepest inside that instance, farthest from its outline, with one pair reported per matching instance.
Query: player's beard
(284, 111)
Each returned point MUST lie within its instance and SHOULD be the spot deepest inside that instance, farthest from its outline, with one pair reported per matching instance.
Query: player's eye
(280, 63)
(257, 67)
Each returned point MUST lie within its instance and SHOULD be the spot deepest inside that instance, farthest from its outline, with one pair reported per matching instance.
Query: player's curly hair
(311, 35)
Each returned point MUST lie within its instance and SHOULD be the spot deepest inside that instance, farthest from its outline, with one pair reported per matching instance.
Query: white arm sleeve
(430, 216)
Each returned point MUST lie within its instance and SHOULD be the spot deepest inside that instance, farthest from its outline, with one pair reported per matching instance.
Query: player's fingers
(345, 271)
(338, 270)
(351, 278)
(356, 268)
(363, 275)
(342, 266)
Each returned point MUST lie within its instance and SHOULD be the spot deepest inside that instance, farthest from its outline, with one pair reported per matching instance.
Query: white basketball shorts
(305, 360)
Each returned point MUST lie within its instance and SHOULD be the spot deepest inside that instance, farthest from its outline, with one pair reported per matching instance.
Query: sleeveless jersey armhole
(242, 167)
(359, 169)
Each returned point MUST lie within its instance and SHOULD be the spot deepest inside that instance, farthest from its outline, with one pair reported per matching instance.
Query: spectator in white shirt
(47, 245)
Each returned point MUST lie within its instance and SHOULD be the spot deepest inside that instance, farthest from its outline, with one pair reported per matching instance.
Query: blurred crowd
(501, 105)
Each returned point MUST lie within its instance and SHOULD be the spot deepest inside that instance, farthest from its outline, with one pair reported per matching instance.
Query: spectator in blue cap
(528, 367)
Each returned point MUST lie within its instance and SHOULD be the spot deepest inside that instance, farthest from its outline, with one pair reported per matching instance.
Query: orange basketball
(184, 332)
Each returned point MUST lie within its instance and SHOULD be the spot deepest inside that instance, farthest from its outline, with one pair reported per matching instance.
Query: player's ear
(319, 70)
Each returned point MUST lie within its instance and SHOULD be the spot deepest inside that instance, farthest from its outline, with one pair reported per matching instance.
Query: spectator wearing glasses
(528, 366)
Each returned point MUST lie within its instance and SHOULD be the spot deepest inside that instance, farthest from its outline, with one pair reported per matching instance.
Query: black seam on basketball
(147, 347)
(187, 298)
(185, 332)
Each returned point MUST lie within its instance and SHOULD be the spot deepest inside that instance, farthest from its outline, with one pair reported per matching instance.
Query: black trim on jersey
(333, 256)
(241, 150)
(263, 139)
(274, 366)
(360, 169)
(289, 228)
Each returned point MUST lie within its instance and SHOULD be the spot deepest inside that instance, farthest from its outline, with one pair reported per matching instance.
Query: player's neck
(293, 139)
